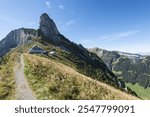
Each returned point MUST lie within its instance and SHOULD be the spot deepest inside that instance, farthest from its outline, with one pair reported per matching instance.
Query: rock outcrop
(87, 63)
(15, 38)
(24, 36)
(48, 28)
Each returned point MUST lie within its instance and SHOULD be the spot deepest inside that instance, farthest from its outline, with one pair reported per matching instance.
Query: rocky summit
(15, 38)
(48, 28)
(62, 84)
(23, 35)
(87, 62)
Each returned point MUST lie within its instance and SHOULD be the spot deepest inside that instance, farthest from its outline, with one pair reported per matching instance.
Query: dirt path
(23, 91)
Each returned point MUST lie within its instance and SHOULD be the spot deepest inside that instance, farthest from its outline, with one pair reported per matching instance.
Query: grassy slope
(7, 63)
(7, 83)
(79, 60)
(143, 93)
(53, 80)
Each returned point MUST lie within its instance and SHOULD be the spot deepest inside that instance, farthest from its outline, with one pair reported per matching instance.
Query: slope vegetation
(142, 92)
(7, 82)
(7, 72)
(133, 69)
(53, 80)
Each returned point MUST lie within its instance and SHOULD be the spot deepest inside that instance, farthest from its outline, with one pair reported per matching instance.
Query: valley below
(133, 69)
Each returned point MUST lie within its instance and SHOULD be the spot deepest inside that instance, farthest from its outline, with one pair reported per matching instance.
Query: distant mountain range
(131, 68)
(144, 53)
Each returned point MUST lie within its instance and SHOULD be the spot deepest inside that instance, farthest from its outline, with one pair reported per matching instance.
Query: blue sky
(110, 24)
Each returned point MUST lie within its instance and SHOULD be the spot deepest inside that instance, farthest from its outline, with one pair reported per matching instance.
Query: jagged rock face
(23, 36)
(15, 38)
(48, 28)
(107, 56)
(88, 63)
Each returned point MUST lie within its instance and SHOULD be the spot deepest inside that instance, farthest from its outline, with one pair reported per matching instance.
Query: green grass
(7, 83)
(143, 93)
(7, 78)
(7, 64)
(117, 72)
(80, 62)
(53, 80)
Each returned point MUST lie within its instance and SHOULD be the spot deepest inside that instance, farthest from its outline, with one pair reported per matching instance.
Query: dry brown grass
(7, 82)
(53, 80)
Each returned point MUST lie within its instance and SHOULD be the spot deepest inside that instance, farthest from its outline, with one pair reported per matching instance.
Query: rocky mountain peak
(48, 27)
(15, 38)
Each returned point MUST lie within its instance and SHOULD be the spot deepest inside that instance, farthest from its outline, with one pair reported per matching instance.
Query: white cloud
(118, 36)
(105, 41)
(61, 7)
(67, 25)
(70, 22)
(109, 37)
(48, 4)
(133, 48)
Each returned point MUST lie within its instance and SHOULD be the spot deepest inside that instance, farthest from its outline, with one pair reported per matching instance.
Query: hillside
(7, 72)
(53, 80)
(142, 92)
(48, 39)
(7, 81)
(131, 68)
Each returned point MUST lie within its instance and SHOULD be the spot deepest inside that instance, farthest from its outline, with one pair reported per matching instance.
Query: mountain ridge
(132, 68)
(48, 38)
(48, 32)
(16, 37)
(76, 90)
